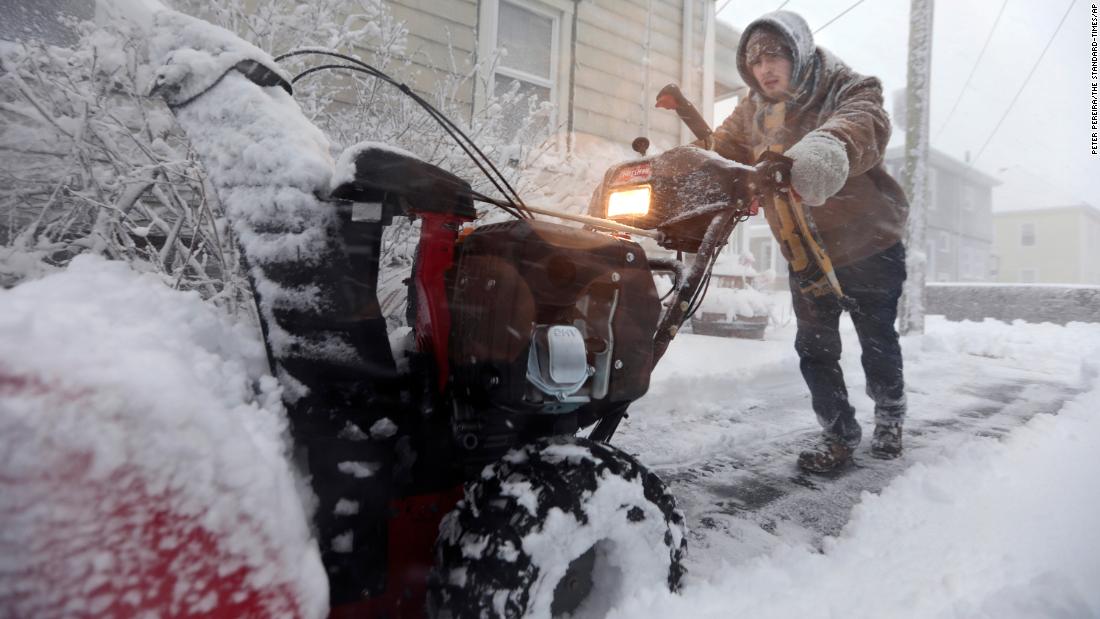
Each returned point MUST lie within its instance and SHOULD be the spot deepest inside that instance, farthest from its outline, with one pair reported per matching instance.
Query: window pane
(761, 250)
(1027, 234)
(520, 99)
(527, 38)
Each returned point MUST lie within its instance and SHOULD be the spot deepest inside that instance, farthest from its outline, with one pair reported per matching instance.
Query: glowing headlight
(633, 201)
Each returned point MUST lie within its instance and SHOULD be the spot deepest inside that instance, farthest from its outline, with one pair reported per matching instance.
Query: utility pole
(915, 176)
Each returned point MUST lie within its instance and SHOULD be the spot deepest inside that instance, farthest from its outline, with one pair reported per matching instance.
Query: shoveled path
(727, 447)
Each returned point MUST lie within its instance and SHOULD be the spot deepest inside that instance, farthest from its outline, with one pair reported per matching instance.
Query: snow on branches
(87, 164)
(90, 164)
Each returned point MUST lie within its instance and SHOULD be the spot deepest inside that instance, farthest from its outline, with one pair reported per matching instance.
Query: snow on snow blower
(448, 474)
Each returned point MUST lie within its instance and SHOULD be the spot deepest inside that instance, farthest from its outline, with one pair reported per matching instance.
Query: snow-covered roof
(1017, 209)
(1024, 190)
(943, 161)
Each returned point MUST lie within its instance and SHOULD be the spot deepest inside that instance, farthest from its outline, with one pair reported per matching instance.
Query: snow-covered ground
(990, 513)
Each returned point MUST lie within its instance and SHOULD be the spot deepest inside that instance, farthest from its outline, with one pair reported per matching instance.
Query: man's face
(773, 73)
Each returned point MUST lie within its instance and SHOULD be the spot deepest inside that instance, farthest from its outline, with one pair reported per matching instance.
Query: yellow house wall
(1056, 254)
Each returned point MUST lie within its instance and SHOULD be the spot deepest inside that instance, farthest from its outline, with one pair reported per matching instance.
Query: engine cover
(514, 283)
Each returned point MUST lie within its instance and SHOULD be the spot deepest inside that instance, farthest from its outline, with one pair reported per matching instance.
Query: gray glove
(820, 167)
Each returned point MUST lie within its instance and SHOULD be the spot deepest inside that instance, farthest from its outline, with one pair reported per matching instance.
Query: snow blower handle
(797, 232)
(670, 98)
(774, 173)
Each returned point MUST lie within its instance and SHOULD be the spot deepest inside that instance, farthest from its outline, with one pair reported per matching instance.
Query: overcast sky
(1042, 150)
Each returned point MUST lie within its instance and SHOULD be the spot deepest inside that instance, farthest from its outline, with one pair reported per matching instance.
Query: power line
(1024, 85)
(842, 14)
(727, 2)
(973, 69)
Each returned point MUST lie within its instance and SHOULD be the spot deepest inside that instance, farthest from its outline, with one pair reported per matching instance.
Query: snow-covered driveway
(725, 419)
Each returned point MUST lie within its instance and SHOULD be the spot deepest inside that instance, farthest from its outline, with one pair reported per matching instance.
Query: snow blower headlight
(629, 202)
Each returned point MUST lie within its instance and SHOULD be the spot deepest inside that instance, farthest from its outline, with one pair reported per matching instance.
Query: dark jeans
(875, 284)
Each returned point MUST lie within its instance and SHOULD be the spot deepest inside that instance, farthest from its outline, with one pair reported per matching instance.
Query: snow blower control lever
(670, 98)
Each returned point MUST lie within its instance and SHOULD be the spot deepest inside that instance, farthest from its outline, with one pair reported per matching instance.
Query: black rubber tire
(540, 512)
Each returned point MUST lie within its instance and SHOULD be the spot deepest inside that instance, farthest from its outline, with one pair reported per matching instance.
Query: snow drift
(982, 528)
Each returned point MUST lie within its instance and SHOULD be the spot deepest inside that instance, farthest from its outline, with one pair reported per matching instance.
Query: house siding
(959, 239)
(610, 99)
(439, 30)
(609, 95)
(1064, 252)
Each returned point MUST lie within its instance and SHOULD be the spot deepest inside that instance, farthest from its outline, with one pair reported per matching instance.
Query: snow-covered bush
(89, 164)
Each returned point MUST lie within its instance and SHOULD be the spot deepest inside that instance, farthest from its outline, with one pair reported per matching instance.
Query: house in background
(959, 218)
(959, 236)
(1058, 245)
(600, 62)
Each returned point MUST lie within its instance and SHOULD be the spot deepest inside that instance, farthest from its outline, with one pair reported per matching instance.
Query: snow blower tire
(561, 526)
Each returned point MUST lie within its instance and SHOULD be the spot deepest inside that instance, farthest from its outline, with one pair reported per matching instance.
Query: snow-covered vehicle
(445, 463)
(733, 307)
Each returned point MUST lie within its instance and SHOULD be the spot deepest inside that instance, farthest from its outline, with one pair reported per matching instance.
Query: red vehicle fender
(84, 537)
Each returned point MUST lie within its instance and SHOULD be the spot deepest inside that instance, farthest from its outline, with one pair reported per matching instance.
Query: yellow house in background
(1059, 245)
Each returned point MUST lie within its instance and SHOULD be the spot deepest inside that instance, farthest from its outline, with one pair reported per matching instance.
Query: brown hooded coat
(869, 212)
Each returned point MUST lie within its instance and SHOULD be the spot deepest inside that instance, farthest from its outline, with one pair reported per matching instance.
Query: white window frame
(560, 13)
(969, 198)
(773, 250)
(933, 177)
(974, 263)
(1034, 234)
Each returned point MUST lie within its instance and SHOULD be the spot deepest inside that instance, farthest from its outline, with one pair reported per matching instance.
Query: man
(829, 120)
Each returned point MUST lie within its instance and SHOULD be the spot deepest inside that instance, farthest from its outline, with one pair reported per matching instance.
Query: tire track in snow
(750, 498)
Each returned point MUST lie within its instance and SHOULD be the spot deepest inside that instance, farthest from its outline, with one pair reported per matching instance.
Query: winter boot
(886, 441)
(827, 456)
